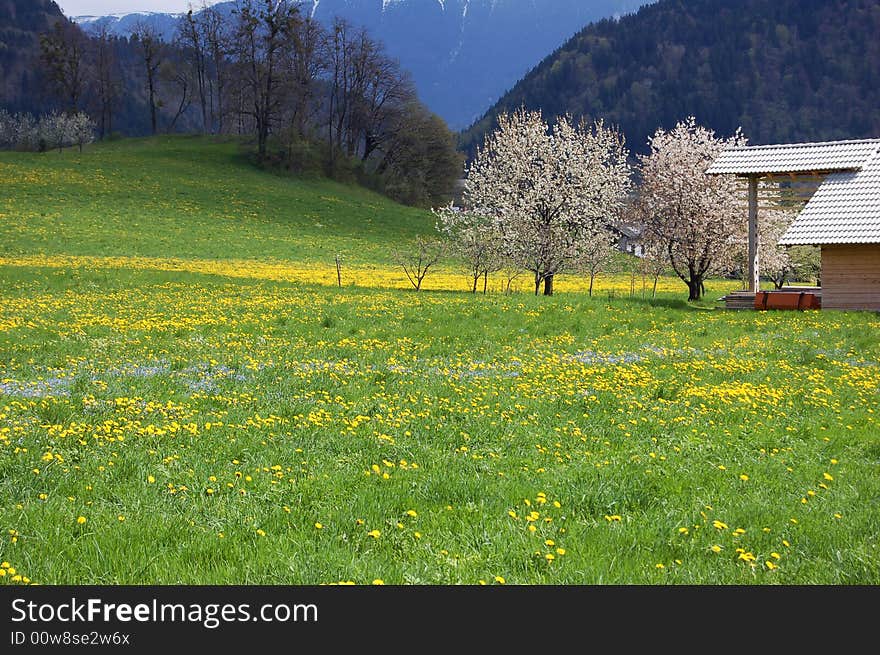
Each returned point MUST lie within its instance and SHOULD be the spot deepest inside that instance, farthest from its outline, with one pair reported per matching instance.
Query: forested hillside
(784, 70)
(20, 26)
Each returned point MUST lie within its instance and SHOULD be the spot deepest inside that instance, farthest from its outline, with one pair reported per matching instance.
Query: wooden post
(754, 273)
(338, 272)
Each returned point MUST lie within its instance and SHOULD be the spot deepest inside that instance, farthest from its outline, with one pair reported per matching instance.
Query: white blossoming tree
(474, 239)
(694, 218)
(547, 189)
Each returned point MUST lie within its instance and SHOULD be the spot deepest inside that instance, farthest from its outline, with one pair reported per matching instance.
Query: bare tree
(418, 257)
(107, 83)
(215, 36)
(62, 53)
(653, 264)
(178, 76)
(337, 55)
(190, 39)
(261, 34)
(306, 62)
(595, 254)
(153, 52)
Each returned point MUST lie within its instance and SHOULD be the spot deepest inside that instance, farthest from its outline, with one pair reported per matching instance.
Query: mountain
(463, 54)
(784, 70)
(123, 25)
(21, 22)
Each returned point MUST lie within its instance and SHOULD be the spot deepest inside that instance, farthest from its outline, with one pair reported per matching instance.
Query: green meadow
(224, 424)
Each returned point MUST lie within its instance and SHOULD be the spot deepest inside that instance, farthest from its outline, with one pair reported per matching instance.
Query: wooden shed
(842, 216)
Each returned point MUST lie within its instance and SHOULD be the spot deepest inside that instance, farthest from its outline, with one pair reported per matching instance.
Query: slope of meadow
(190, 198)
(170, 415)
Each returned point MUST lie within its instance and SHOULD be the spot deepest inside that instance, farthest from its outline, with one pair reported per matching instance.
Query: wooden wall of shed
(851, 276)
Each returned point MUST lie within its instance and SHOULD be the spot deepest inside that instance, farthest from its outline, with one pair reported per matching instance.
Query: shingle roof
(795, 158)
(845, 209)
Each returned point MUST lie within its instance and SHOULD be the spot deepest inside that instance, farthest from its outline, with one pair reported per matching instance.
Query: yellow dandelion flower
(715, 549)
(80, 519)
(375, 534)
(412, 513)
(500, 580)
(378, 582)
(827, 476)
(719, 525)
(151, 479)
(318, 526)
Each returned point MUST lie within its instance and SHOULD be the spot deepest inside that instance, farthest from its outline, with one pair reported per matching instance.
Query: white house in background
(629, 239)
(842, 217)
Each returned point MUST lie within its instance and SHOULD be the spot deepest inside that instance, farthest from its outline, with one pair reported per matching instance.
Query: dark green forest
(21, 85)
(783, 70)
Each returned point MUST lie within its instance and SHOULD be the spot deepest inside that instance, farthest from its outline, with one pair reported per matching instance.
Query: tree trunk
(152, 107)
(695, 288)
(537, 284)
(548, 285)
(476, 279)
(592, 279)
(485, 282)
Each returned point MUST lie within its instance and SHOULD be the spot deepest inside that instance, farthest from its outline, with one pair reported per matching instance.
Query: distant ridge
(463, 54)
(784, 70)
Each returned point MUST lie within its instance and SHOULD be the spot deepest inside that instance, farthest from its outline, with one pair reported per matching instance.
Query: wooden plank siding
(851, 276)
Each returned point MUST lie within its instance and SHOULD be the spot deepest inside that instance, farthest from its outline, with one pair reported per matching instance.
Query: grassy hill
(188, 197)
(177, 406)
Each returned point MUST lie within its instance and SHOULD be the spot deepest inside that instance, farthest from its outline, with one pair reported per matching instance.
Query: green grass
(132, 393)
(191, 198)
